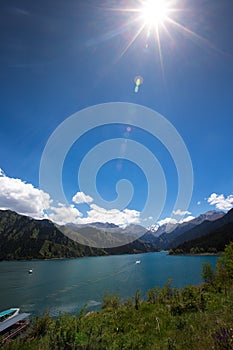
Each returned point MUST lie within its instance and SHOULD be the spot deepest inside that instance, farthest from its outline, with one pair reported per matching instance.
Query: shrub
(207, 272)
(42, 325)
(111, 301)
(137, 299)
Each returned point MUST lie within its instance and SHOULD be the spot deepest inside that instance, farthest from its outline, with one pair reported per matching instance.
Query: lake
(66, 285)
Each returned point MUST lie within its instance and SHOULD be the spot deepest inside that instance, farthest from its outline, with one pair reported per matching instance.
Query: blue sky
(59, 57)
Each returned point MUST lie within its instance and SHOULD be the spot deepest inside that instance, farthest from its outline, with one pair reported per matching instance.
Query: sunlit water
(66, 285)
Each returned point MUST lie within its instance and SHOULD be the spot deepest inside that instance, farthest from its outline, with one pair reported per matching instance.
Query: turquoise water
(66, 285)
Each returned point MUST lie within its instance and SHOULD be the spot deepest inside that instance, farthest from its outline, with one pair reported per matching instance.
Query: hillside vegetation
(22, 237)
(209, 234)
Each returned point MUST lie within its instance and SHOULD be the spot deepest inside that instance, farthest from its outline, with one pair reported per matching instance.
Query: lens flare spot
(138, 81)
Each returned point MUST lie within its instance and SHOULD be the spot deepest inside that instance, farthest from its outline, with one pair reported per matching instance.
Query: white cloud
(64, 214)
(115, 216)
(179, 212)
(167, 221)
(220, 201)
(81, 197)
(171, 221)
(25, 199)
(22, 197)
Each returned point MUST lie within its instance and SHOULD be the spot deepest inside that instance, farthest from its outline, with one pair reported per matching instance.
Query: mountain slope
(164, 239)
(214, 241)
(103, 235)
(207, 228)
(24, 238)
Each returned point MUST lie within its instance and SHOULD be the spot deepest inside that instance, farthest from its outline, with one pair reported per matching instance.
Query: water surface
(66, 285)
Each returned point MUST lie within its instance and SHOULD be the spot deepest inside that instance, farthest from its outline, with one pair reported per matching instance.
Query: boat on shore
(12, 323)
(9, 313)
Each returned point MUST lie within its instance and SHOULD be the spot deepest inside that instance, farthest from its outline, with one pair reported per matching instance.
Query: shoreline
(199, 254)
(81, 257)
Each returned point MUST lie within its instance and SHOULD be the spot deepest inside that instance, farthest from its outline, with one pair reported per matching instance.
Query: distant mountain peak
(211, 215)
(103, 225)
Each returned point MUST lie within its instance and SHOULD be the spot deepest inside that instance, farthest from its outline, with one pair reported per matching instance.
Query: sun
(154, 22)
(154, 12)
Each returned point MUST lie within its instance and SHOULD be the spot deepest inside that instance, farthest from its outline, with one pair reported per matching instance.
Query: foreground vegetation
(195, 317)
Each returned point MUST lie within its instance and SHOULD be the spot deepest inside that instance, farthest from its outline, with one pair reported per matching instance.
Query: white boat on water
(30, 271)
(9, 313)
(138, 262)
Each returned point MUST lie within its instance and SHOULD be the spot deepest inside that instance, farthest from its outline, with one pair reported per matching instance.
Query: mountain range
(208, 236)
(22, 237)
(167, 235)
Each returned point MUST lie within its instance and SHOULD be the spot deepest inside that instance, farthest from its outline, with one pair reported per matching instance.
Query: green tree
(42, 324)
(207, 272)
(137, 299)
(227, 259)
(152, 295)
(224, 273)
(192, 250)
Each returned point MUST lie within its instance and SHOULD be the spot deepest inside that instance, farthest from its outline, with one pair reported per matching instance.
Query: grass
(152, 325)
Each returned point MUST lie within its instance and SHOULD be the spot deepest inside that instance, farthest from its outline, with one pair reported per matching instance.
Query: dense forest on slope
(22, 237)
(220, 231)
(214, 241)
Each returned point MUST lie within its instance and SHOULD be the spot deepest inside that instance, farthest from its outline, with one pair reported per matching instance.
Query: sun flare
(154, 12)
(154, 21)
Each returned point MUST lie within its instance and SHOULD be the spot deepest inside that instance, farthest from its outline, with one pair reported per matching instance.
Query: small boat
(138, 262)
(30, 271)
(9, 313)
(12, 323)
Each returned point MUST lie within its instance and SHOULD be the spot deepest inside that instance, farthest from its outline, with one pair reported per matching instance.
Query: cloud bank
(115, 216)
(27, 200)
(220, 201)
(23, 198)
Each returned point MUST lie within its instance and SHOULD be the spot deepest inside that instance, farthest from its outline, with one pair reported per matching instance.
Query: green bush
(207, 273)
(111, 301)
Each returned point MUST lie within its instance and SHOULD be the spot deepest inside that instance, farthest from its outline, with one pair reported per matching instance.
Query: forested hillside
(22, 237)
